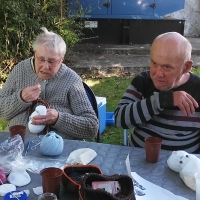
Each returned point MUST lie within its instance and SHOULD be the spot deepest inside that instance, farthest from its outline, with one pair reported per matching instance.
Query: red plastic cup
(18, 129)
(152, 146)
(51, 180)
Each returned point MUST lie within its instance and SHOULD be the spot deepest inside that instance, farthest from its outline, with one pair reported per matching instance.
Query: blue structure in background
(127, 21)
(128, 9)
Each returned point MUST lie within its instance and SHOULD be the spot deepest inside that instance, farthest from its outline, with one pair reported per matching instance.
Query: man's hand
(50, 118)
(31, 93)
(185, 102)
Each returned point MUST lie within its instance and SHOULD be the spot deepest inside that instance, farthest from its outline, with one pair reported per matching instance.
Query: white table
(111, 160)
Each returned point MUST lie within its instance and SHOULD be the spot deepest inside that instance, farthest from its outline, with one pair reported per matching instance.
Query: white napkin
(152, 191)
(81, 156)
(19, 177)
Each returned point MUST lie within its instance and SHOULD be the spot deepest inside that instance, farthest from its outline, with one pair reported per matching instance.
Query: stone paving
(108, 59)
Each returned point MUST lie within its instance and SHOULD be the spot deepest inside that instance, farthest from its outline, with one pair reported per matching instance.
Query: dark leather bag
(73, 174)
(86, 191)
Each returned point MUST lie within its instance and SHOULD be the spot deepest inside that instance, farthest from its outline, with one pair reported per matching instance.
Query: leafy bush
(196, 70)
(20, 22)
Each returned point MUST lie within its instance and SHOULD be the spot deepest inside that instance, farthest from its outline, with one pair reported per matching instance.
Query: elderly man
(164, 102)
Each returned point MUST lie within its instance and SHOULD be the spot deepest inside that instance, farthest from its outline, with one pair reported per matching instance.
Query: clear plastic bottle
(47, 196)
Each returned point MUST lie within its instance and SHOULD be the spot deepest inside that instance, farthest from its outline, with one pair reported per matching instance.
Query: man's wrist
(166, 99)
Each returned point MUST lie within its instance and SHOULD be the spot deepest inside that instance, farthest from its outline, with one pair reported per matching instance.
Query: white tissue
(5, 188)
(154, 191)
(39, 110)
(81, 156)
(19, 177)
(27, 192)
(38, 190)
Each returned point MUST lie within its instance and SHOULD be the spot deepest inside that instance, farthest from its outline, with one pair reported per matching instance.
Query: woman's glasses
(51, 62)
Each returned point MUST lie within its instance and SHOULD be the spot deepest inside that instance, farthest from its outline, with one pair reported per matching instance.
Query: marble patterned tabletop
(111, 160)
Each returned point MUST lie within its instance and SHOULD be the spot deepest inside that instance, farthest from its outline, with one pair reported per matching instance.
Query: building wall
(191, 15)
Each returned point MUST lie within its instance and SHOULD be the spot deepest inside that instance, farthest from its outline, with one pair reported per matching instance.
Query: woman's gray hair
(52, 41)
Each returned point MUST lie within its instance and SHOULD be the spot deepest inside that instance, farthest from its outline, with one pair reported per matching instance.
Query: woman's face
(47, 62)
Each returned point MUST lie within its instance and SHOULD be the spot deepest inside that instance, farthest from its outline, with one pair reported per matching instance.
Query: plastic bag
(10, 151)
(11, 157)
(35, 165)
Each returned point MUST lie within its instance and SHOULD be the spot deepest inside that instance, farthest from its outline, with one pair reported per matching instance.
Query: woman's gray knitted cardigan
(64, 92)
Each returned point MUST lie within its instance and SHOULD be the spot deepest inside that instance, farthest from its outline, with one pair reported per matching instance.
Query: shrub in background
(20, 22)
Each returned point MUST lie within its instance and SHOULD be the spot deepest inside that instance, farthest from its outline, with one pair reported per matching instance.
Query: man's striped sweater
(151, 112)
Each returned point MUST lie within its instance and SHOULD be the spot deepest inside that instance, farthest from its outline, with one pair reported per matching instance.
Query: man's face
(166, 66)
(47, 63)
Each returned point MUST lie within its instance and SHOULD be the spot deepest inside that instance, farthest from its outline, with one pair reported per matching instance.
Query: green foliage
(110, 87)
(3, 125)
(113, 89)
(196, 70)
(20, 22)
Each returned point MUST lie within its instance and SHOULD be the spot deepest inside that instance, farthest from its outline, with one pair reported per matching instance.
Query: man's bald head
(170, 60)
(178, 43)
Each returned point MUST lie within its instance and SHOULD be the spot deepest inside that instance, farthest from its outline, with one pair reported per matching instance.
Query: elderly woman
(44, 76)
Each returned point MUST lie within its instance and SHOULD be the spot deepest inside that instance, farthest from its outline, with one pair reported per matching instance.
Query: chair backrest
(93, 101)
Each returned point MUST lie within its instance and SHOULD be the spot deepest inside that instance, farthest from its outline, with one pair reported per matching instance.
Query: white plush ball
(39, 110)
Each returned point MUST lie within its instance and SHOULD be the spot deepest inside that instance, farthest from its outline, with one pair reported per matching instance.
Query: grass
(196, 70)
(3, 125)
(112, 88)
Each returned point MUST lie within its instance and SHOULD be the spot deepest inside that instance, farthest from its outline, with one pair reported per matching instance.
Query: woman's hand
(50, 118)
(31, 93)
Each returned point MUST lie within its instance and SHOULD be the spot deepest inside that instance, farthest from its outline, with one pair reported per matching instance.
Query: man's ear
(187, 66)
